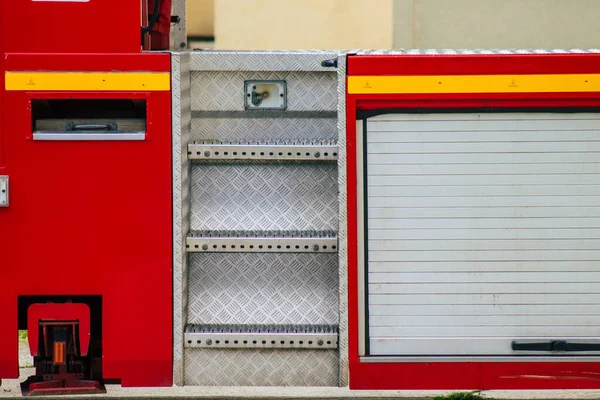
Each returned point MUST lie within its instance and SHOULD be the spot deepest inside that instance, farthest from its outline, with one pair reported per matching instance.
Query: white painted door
(482, 230)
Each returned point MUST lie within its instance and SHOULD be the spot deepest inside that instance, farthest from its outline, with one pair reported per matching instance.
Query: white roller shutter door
(482, 230)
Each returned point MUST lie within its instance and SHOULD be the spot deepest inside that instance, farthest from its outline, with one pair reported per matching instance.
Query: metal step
(301, 150)
(323, 337)
(262, 242)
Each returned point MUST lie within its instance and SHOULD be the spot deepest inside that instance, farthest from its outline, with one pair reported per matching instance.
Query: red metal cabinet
(443, 84)
(92, 218)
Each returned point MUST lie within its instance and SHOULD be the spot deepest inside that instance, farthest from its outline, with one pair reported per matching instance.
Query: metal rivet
(207, 153)
(320, 343)
(316, 247)
(204, 247)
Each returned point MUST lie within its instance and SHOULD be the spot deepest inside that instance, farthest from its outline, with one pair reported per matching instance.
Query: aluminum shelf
(300, 150)
(262, 242)
(323, 337)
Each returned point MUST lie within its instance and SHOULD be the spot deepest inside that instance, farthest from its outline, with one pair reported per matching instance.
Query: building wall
(386, 24)
(200, 18)
(305, 24)
(496, 24)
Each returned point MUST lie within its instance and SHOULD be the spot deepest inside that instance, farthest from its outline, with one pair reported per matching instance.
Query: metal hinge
(3, 191)
(555, 345)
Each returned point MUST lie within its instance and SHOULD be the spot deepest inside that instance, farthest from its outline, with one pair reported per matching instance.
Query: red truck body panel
(91, 218)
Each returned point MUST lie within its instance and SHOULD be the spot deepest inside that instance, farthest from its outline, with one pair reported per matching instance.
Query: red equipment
(83, 133)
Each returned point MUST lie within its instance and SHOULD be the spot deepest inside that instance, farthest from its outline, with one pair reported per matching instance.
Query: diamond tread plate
(264, 128)
(260, 60)
(224, 91)
(283, 196)
(181, 105)
(263, 288)
(240, 367)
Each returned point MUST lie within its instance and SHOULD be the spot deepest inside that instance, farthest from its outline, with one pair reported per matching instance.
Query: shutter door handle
(555, 345)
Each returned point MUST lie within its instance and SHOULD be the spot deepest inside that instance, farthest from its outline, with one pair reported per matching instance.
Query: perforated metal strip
(262, 242)
(295, 150)
(323, 337)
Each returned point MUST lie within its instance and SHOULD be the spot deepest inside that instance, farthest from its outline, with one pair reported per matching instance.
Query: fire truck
(346, 221)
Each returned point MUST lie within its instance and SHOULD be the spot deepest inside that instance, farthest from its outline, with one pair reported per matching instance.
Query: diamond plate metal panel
(224, 91)
(263, 288)
(264, 128)
(279, 196)
(181, 128)
(261, 60)
(207, 367)
(343, 223)
(430, 52)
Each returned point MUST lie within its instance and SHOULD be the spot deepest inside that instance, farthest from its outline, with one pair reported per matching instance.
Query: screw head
(316, 247)
(204, 247)
(209, 342)
(317, 154)
(207, 153)
(320, 342)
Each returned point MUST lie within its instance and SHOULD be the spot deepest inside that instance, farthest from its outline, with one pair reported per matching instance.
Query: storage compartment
(88, 119)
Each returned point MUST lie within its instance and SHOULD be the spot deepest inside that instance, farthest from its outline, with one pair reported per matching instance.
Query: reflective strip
(89, 81)
(474, 84)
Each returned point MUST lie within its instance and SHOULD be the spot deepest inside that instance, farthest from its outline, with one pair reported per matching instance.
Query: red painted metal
(58, 312)
(100, 26)
(479, 64)
(60, 388)
(98, 216)
(472, 374)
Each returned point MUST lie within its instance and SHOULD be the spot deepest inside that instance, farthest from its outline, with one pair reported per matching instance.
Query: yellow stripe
(92, 81)
(474, 84)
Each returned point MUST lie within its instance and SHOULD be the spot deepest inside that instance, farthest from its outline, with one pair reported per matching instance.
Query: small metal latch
(3, 191)
(555, 345)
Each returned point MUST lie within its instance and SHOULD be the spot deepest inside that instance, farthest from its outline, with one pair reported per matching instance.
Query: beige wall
(303, 24)
(496, 24)
(200, 17)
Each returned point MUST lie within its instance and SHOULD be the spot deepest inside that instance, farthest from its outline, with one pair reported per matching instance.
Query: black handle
(555, 345)
(331, 63)
(111, 126)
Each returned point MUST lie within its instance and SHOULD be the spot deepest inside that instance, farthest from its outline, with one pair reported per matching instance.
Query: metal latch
(3, 191)
(555, 345)
(265, 95)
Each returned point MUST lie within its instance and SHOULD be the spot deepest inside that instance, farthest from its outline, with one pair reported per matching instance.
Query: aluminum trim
(264, 113)
(252, 61)
(234, 151)
(360, 211)
(61, 136)
(440, 359)
(342, 224)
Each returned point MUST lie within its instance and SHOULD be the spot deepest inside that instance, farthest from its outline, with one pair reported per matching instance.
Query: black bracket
(555, 345)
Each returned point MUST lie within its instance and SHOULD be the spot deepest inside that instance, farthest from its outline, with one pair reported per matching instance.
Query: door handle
(111, 126)
(555, 345)
(3, 190)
